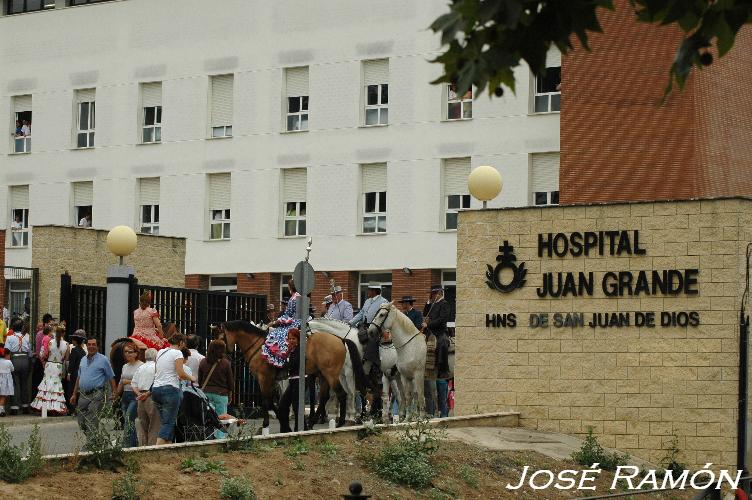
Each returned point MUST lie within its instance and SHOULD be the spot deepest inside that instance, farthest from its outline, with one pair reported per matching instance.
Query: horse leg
(419, 385)
(323, 398)
(342, 397)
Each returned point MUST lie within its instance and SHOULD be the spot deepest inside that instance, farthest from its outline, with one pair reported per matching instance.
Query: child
(6, 378)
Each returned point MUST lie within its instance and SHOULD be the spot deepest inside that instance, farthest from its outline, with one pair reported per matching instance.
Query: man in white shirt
(85, 221)
(195, 358)
(340, 308)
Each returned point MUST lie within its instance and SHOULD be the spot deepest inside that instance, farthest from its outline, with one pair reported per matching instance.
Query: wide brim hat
(337, 289)
(407, 299)
(374, 286)
(270, 307)
(79, 334)
(436, 288)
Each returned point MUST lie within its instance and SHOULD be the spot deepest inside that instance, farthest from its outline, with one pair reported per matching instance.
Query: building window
(455, 203)
(459, 107)
(223, 283)
(19, 227)
(220, 224)
(148, 195)
(376, 78)
(374, 198)
(85, 134)
(296, 106)
(19, 6)
(295, 218)
(19, 295)
(22, 131)
(545, 178)
(221, 105)
(294, 188)
(83, 202)
(548, 91)
(449, 282)
(150, 219)
(383, 279)
(219, 206)
(151, 123)
(454, 189)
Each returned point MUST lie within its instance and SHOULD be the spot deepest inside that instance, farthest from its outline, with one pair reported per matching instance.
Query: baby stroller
(197, 420)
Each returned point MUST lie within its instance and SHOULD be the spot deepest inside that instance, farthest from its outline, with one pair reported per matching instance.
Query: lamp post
(121, 241)
(485, 184)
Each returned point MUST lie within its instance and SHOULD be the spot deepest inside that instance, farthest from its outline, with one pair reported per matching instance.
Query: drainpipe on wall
(741, 443)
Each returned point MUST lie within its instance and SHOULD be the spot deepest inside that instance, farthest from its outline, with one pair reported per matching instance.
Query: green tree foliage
(487, 39)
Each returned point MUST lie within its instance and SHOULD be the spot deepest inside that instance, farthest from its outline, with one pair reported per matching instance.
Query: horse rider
(282, 307)
(363, 319)
(327, 304)
(437, 313)
(340, 308)
(271, 313)
(415, 316)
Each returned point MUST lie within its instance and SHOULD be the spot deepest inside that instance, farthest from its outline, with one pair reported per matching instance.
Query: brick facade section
(619, 144)
(418, 284)
(197, 281)
(634, 386)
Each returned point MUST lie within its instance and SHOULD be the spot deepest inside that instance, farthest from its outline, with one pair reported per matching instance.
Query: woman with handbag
(128, 403)
(216, 380)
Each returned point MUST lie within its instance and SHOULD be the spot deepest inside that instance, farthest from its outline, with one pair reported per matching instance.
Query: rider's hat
(407, 298)
(337, 289)
(374, 286)
(437, 288)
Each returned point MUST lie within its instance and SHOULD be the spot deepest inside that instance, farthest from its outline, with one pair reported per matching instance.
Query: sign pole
(305, 280)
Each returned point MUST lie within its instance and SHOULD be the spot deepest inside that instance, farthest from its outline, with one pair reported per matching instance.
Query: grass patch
(200, 465)
(236, 488)
(592, 452)
(327, 449)
(242, 440)
(297, 447)
(19, 463)
(128, 487)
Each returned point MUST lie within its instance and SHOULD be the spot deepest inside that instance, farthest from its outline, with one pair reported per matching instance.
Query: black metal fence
(192, 311)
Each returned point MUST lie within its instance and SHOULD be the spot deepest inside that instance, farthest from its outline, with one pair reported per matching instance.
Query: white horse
(410, 347)
(388, 358)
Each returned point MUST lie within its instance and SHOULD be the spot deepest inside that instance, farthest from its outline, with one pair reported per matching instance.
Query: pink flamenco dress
(51, 395)
(144, 329)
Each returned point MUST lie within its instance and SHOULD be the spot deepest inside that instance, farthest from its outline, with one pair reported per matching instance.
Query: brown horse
(325, 356)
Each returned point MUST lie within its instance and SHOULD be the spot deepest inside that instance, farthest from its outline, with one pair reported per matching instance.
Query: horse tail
(361, 380)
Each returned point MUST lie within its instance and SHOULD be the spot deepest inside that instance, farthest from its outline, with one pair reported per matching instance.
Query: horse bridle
(245, 351)
(381, 332)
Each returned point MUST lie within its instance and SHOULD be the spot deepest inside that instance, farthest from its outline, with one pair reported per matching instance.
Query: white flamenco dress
(51, 395)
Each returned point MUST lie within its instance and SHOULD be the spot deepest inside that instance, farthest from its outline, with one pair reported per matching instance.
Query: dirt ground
(324, 470)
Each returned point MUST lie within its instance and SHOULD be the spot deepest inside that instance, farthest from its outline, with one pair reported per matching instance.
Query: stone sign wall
(623, 318)
(83, 253)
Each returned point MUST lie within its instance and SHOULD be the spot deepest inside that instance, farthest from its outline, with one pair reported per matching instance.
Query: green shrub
(592, 452)
(403, 463)
(242, 440)
(236, 488)
(200, 465)
(105, 445)
(327, 449)
(297, 447)
(671, 460)
(19, 463)
(424, 435)
(468, 475)
(128, 487)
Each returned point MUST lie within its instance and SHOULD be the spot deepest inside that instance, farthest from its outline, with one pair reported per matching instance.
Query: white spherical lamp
(121, 240)
(485, 183)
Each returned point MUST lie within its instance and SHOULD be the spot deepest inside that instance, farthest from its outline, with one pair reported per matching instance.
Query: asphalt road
(61, 434)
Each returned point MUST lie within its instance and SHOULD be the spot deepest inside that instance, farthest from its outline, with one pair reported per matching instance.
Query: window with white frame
(20, 6)
(83, 202)
(376, 78)
(85, 118)
(284, 292)
(544, 178)
(223, 283)
(221, 105)
(294, 186)
(296, 92)
(219, 206)
(382, 278)
(547, 97)
(22, 131)
(19, 210)
(456, 192)
(459, 107)
(374, 198)
(148, 195)
(151, 100)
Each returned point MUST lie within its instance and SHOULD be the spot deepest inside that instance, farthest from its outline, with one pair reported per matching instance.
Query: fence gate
(192, 311)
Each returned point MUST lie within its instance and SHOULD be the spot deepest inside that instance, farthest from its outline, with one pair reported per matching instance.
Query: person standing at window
(26, 128)
(216, 379)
